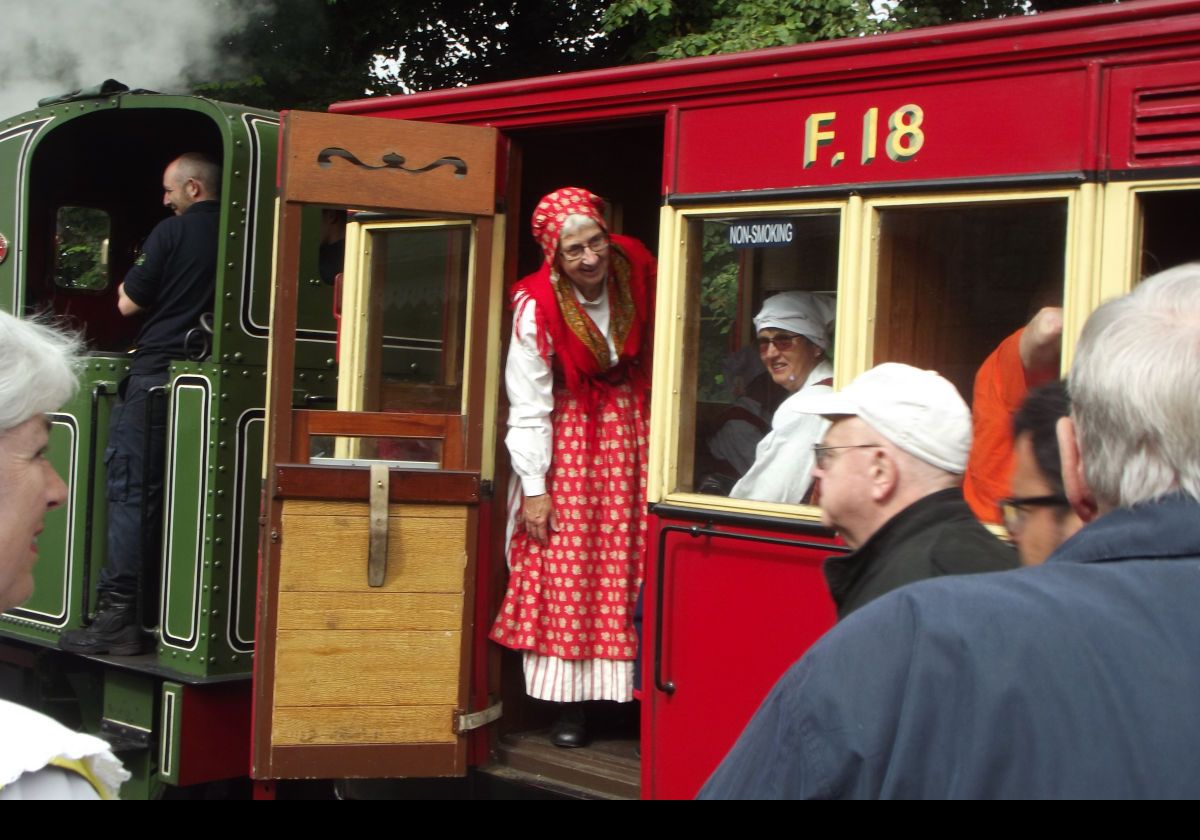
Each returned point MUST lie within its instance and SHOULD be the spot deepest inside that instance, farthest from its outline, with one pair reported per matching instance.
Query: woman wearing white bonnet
(794, 337)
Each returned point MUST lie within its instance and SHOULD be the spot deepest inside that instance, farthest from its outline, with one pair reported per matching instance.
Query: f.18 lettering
(904, 137)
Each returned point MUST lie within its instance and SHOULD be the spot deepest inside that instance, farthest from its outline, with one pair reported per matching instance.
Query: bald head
(189, 178)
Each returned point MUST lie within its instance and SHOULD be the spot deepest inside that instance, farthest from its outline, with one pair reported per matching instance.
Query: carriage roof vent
(1166, 126)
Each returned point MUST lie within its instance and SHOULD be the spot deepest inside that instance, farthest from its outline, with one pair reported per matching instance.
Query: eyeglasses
(783, 342)
(1014, 511)
(598, 244)
(821, 453)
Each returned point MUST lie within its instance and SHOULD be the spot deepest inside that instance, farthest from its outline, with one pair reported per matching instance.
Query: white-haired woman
(39, 758)
(793, 343)
(577, 377)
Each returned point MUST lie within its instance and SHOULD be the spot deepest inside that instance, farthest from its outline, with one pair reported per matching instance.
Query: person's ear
(884, 474)
(1079, 493)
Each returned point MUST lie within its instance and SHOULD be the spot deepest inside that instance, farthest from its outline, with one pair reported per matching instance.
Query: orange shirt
(1000, 387)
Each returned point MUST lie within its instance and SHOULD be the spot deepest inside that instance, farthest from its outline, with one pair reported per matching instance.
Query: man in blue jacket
(1077, 678)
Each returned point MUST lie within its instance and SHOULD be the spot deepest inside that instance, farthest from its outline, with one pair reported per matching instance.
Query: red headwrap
(555, 208)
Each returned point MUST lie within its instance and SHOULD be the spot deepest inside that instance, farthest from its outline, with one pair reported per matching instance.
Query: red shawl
(581, 351)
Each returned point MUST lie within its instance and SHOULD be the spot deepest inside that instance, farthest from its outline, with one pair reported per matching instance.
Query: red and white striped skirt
(569, 605)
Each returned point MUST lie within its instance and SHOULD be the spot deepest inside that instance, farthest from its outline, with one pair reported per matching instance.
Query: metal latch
(377, 554)
(464, 722)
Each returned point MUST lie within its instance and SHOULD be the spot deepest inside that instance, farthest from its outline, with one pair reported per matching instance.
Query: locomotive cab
(86, 176)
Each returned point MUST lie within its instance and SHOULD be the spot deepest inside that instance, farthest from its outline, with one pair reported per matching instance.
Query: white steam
(55, 46)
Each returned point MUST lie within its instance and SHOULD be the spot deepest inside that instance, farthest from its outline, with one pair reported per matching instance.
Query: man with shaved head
(170, 286)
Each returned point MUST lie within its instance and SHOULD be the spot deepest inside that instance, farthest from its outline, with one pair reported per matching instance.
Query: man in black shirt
(172, 285)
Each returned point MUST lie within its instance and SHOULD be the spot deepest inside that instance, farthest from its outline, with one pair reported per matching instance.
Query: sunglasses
(782, 342)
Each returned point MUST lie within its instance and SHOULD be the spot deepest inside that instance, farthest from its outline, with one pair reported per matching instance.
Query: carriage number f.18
(903, 140)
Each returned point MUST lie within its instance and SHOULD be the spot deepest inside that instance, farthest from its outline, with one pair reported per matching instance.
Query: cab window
(81, 240)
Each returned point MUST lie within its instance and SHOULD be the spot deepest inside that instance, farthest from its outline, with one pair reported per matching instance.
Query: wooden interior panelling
(955, 281)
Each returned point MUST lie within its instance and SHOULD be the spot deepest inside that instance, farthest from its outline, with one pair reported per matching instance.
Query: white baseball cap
(917, 410)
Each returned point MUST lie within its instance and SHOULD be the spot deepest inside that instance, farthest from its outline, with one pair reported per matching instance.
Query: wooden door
(371, 510)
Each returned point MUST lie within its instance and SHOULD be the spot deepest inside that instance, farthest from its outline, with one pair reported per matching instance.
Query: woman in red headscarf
(578, 375)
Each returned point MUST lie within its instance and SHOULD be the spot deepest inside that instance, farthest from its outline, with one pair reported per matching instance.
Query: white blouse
(530, 383)
(783, 462)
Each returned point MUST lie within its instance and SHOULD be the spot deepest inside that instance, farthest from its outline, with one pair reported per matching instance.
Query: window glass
(81, 248)
(734, 390)
(416, 317)
(410, 453)
(955, 281)
(1168, 221)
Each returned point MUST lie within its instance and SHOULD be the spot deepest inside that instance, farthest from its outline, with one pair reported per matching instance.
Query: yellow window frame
(1122, 230)
(353, 340)
(674, 310)
(857, 279)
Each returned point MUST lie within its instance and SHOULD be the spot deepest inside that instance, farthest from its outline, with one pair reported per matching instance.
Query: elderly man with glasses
(890, 472)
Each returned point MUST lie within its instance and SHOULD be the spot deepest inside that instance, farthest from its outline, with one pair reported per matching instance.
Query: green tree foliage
(906, 15)
(678, 28)
(81, 257)
(309, 53)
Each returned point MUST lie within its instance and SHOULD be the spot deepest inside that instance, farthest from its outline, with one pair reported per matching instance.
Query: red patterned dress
(569, 605)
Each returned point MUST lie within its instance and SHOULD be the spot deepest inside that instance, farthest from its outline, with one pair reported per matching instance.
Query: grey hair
(1135, 391)
(39, 369)
(203, 169)
(573, 223)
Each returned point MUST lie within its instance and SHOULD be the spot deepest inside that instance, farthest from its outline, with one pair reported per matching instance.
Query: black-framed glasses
(822, 456)
(598, 244)
(783, 342)
(1014, 510)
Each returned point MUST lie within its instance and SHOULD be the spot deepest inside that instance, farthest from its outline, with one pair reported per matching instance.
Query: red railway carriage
(939, 184)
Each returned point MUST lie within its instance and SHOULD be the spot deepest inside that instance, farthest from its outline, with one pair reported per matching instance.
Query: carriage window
(1168, 220)
(732, 388)
(955, 281)
(415, 308)
(81, 249)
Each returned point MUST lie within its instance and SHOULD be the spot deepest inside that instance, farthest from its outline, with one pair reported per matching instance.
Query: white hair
(39, 369)
(574, 222)
(1135, 391)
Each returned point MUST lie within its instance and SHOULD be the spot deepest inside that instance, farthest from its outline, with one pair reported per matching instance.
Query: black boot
(114, 632)
(570, 730)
